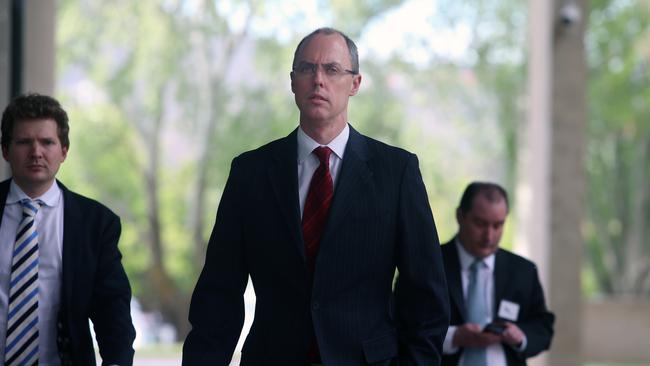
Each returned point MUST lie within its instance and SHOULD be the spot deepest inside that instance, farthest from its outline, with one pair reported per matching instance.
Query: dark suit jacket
(379, 219)
(94, 284)
(515, 280)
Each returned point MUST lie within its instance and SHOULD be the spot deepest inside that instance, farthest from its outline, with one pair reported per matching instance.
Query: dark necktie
(317, 205)
(476, 312)
(314, 217)
(21, 344)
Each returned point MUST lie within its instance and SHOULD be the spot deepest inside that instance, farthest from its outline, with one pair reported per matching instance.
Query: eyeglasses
(331, 70)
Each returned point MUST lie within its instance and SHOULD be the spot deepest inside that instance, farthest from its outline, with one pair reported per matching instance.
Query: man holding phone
(498, 312)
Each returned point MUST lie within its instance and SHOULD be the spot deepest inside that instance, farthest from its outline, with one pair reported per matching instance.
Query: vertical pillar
(551, 184)
(568, 178)
(39, 36)
(27, 51)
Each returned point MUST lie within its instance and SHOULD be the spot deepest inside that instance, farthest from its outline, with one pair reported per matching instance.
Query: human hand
(513, 335)
(472, 335)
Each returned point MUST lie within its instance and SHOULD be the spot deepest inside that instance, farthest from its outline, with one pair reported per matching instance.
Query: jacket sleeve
(217, 307)
(110, 309)
(538, 326)
(421, 298)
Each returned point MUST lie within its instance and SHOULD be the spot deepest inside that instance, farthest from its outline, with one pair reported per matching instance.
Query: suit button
(315, 306)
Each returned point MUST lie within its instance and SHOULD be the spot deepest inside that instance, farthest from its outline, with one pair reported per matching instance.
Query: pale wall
(616, 330)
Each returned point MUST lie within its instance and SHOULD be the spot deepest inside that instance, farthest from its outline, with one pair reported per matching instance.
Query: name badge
(508, 310)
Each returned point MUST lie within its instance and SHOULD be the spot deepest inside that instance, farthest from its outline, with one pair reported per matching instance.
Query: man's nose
(319, 75)
(491, 234)
(35, 149)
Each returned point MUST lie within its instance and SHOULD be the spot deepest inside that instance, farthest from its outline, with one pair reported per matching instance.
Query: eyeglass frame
(312, 68)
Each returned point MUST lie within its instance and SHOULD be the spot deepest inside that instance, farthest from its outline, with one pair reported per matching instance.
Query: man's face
(481, 227)
(321, 98)
(35, 154)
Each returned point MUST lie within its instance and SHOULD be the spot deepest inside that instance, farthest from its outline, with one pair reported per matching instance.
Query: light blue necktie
(21, 344)
(476, 313)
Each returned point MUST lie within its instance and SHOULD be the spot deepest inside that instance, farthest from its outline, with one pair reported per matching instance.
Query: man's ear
(64, 152)
(356, 83)
(291, 75)
(5, 152)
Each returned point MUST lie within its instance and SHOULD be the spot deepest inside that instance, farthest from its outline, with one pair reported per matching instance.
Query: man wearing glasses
(320, 220)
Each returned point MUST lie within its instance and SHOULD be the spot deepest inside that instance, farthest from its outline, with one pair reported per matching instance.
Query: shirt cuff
(448, 345)
(522, 346)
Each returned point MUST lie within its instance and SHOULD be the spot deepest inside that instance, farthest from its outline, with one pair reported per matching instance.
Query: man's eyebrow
(333, 63)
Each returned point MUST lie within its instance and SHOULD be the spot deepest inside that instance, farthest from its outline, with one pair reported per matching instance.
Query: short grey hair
(352, 48)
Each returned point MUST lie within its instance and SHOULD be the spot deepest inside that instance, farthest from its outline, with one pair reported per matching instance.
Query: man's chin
(488, 252)
(34, 179)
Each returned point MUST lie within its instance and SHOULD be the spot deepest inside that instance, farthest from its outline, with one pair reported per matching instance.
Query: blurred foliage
(616, 229)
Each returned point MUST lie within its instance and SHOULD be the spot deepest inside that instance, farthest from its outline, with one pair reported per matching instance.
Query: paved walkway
(153, 361)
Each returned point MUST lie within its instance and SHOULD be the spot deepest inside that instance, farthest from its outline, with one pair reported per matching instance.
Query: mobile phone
(496, 328)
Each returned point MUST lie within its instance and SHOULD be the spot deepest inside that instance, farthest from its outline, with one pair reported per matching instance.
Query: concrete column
(551, 184)
(39, 32)
(534, 166)
(568, 179)
(38, 52)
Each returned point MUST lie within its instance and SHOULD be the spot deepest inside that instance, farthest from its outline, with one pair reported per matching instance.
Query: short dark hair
(34, 106)
(352, 48)
(492, 191)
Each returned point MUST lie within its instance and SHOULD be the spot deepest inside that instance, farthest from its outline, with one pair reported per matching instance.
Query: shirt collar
(306, 144)
(50, 198)
(467, 259)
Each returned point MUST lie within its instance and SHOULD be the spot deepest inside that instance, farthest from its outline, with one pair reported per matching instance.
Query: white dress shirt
(49, 225)
(494, 353)
(308, 161)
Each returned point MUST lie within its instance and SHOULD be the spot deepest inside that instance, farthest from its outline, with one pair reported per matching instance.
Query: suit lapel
(4, 192)
(500, 280)
(70, 255)
(454, 278)
(353, 178)
(283, 173)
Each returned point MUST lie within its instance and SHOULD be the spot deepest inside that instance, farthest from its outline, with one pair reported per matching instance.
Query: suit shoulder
(516, 260)
(263, 152)
(88, 205)
(380, 147)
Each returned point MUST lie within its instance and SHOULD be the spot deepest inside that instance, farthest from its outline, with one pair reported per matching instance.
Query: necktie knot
(476, 265)
(30, 208)
(323, 154)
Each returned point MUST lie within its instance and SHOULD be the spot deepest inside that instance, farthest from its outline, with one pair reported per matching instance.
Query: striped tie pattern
(21, 345)
(317, 204)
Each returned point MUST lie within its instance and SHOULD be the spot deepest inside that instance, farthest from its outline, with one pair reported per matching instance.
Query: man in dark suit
(320, 220)
(63, 267)
(510, 295)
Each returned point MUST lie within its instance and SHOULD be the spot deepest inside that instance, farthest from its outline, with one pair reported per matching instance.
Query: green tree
(618, 199)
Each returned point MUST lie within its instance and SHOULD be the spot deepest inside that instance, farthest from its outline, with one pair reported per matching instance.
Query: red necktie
(314, 217)
(317, 205)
